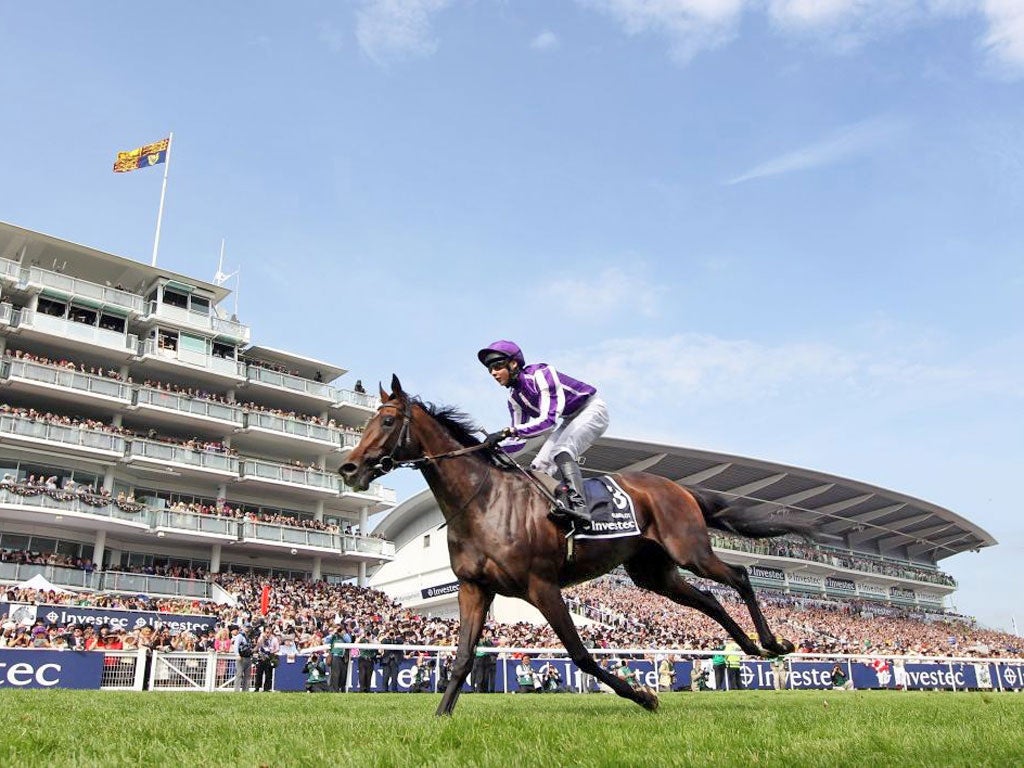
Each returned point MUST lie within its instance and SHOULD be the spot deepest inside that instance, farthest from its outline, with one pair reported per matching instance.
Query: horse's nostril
(347, 469)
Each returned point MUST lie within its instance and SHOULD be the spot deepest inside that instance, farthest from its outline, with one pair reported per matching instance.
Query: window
(51, 307)
(83, 315)
(200, 305)
(226, 351)
(191, 343)
(167, 340)
(175, 298)
(112, 322)
(426, 541)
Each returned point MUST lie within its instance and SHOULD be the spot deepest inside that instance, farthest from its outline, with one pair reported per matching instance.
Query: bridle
(391, 461)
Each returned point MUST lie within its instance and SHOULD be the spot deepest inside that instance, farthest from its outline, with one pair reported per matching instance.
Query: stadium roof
(866, 517)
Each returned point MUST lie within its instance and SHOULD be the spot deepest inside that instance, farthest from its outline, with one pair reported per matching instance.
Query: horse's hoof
(649, 700)
(779, 648)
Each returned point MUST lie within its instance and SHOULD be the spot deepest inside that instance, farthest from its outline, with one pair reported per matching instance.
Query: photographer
(242, 646)
(267, 659)
(315, 671)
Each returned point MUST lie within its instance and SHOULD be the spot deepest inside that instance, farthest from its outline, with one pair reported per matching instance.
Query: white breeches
(573, 436)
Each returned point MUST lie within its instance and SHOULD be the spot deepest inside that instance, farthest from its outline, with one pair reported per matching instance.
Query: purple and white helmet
(501, 350)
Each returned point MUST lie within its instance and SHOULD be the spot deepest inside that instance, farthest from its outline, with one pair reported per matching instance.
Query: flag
(143, 157)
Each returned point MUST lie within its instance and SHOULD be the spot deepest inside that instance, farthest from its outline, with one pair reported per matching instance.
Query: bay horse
(501, 540)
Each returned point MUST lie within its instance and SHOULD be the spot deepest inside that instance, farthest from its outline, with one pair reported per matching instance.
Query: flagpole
(163, 191)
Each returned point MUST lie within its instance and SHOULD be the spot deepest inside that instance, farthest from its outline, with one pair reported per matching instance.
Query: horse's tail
(744, 519)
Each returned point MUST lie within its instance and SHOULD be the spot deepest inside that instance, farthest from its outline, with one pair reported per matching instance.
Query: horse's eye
(388, 421)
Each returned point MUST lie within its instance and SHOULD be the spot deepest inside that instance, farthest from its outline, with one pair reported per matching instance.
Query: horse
(501, 539)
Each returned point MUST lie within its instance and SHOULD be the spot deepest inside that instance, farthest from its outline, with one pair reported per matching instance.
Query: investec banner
(24, 668)
(25, 613)
(768, 574)
(840, 585)
(442, 589)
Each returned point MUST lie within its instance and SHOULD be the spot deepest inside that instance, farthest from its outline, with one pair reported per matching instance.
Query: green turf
(749, 728)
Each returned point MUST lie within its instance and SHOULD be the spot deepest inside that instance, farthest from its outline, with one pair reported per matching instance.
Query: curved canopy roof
(867, 517)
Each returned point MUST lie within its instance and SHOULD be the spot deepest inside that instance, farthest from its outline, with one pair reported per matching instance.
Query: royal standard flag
(143, 157)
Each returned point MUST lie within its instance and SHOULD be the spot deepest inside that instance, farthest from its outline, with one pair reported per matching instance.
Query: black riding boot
(571, 503)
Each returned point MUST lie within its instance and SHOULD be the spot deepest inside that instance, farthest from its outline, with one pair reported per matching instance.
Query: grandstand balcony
(206, 321)
(125, 303)
(59, 575)
(374, 494)
(79, 441)
(274, 475)
(187, 364)
(356, 404)
(290, 388)
(8, 314)
(190, 525)
(180, 459)
(175, 408)
(10, 272)
(264, 431)
(276, 536)
(368, 547)
(65, 384)
(145, 584)
(74, 335)
(86, 511)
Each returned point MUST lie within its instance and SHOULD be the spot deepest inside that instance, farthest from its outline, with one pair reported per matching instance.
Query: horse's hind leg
(473, 604)
(548, 600)
(652, 569)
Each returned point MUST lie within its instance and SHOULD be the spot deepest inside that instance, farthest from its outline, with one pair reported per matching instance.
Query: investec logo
(22, 673)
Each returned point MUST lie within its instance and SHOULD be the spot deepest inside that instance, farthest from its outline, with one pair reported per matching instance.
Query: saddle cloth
(611, 508)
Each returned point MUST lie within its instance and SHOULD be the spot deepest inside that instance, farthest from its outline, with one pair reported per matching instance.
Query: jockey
(539, 397)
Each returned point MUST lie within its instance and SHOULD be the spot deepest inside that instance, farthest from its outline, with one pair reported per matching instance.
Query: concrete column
(116, 420)
(318, 513)
(318, 563)
(362, 575)
(230, 395)
(108, 479)
(215, 558)
(97, 549)
(114, 558)
(364, 517)
(222, 492)
(3, 345)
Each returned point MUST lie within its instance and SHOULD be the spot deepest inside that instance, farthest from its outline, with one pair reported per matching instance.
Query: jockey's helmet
(501, 350)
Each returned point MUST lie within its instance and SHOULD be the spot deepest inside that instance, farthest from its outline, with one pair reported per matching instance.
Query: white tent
(40, 582)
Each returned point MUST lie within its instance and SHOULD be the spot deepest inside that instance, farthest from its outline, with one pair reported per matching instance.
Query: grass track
(749, 728)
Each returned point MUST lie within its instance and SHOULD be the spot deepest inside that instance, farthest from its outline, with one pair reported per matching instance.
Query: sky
(785, 229)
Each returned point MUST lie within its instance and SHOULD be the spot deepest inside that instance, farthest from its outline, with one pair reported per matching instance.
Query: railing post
(210, 684)
(140, 669)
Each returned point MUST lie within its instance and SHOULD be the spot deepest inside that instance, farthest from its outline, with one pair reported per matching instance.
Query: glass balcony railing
(378, 491)
(75, 503)
(368, 545)
(204, 321)
(350, 440)
(273, 472)
(190, 521)
(143, 584)
(8, 315)
(194, 406)
(226, 366)
(305, 430)
(261, 375)
(61, 434)
(74, 286)
(291, 535)
(157, 452)
(66, 378)
(351, 397)
(117, 341)
(10, 270)
(56, 574)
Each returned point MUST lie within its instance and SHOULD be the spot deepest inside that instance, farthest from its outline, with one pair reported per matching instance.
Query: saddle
(595, 491)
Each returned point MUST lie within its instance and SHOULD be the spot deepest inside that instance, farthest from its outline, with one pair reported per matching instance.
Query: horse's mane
(459, 425)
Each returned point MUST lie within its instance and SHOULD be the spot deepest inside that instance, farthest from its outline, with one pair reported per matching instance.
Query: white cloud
(397, 29)
(546, 40)
(690, 25)
(850, 141)
(1005, 38)
(609, 295)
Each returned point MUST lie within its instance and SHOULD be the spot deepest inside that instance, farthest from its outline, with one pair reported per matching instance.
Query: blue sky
(787, 229)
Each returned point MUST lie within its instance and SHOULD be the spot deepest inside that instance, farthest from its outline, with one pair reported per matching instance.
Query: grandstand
(888, 545)
(146, 443)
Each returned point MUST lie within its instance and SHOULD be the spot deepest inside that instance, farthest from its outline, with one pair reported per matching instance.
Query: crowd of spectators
(797, 548)
(302, 613)
(70, 365)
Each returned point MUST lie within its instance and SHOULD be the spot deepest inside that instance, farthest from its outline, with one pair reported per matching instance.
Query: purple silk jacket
(539, 398)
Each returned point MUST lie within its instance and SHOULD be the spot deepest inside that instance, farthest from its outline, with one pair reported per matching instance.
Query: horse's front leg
(474, 601)
(547, 598)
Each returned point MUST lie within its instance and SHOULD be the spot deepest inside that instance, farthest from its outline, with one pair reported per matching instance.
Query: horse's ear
(384, 396)
(396, 386)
